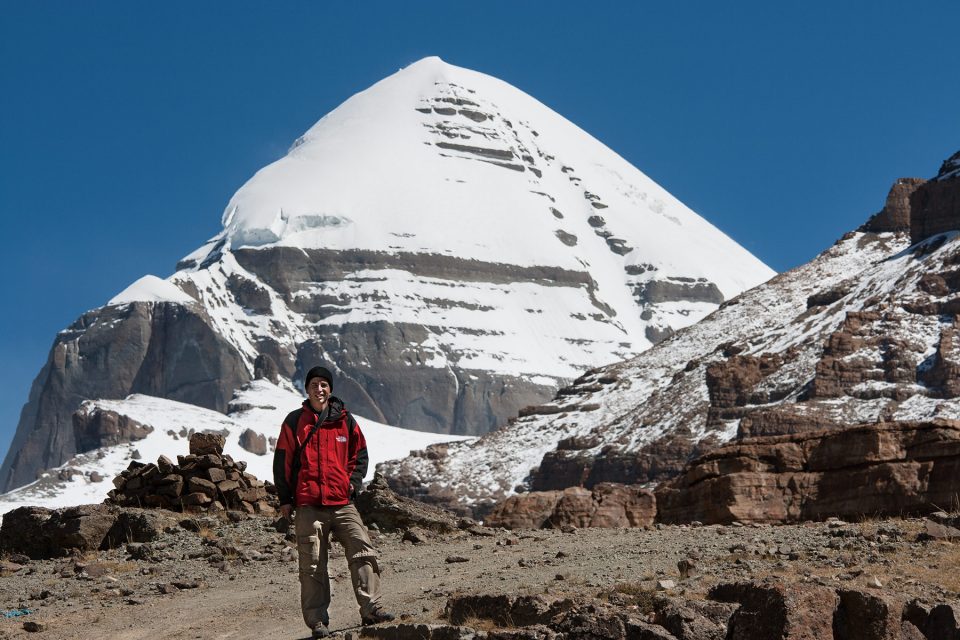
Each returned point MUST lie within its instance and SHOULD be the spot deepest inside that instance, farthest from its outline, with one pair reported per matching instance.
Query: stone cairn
(204, 481)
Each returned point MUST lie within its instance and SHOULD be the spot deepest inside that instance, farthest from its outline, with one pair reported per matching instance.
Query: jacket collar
(335, 406)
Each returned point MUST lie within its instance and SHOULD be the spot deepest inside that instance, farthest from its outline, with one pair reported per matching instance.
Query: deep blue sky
(126, 126)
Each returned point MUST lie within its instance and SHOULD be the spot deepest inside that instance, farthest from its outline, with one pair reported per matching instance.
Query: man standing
(319, 464)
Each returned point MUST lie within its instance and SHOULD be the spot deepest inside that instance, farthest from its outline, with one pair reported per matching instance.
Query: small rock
(454, 559)
(34, 627)
(139, 550)
(874, 582)
(188, 584)
(665, 585)
(687, 567)
(936, 531)
(414, 535)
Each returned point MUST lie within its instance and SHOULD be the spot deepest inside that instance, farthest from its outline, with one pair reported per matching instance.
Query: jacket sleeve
(358, 458)
(282, 461)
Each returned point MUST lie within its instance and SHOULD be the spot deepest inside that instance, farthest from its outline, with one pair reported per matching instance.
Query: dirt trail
(258, 597)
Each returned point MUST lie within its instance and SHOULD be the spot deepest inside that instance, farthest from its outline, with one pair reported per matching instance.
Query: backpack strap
(295, 462)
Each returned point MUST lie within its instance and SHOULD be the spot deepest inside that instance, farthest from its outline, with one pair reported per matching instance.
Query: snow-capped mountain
(865, 332)
(451, 247)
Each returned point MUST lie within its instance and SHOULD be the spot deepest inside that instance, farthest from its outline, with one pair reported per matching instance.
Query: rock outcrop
(48, 533)
(162, 349)
(764, 609)
(935, 206)
(878, 469)
(102, 428)
(606, 505)
(255, 443)
(895, 215)
(380, 506)
(866, 333)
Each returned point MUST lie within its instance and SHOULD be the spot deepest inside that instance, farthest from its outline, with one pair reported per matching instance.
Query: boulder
(94, 428)
(84, 527)
(888, 468)
(770, 609)
(255, 443)
(524, 511)
(379, 505)
(138, 525)
(608, 504)
(504, 610)
(420, 631)
(43, 533)
(207, 443)
(693, 620)
(23, 531)
(867, 616)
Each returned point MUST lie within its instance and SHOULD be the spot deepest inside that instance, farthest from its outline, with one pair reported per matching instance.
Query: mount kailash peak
(451, 247)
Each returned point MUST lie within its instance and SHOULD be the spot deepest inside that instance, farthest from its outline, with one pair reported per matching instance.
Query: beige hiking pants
(314, 526)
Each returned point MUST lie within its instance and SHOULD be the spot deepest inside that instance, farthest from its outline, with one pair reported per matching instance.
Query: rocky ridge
(862, 334)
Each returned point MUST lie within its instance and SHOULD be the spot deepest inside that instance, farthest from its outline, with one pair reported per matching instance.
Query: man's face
(318, 391)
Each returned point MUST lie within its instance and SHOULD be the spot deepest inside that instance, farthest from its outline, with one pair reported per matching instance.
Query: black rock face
(161, 349)
(381, 376)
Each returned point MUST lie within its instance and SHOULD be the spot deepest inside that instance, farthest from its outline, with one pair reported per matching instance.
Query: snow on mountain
(633, 413)
(866, 332)
(450, 200)
(453, 249)
(508, 181)
(354, 181)
(263, 406)
(150, 288)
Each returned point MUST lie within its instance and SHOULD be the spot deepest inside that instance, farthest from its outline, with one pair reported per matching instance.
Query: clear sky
(126, 126)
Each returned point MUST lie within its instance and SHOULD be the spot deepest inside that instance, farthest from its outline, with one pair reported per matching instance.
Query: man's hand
(286, 510)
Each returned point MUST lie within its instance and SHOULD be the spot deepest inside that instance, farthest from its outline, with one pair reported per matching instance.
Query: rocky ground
(216, 577)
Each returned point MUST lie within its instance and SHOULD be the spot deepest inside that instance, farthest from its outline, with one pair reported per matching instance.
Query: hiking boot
(321, 630)
(376, 617)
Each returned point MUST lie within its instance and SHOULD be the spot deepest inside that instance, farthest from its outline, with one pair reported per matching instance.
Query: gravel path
(239, 580)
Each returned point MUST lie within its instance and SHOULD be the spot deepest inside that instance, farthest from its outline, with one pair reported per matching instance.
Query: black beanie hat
(319, 372)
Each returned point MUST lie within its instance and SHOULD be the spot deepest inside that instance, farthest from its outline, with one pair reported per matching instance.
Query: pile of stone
(205, 480)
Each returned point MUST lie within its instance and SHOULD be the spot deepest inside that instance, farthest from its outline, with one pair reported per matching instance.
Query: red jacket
(331, 465)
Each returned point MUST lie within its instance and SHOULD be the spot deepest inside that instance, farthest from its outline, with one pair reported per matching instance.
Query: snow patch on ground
(268, 405)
